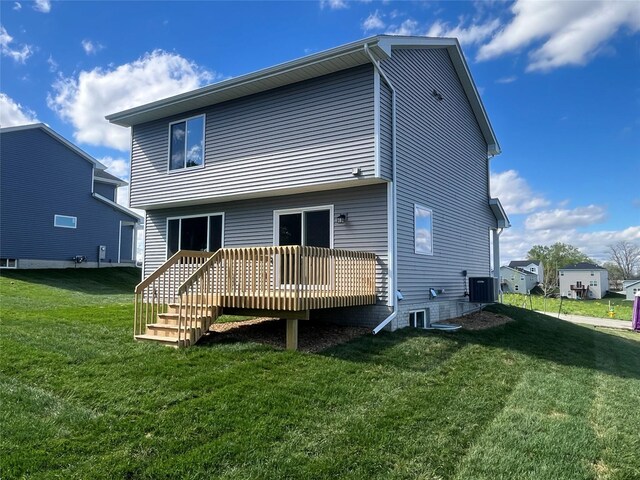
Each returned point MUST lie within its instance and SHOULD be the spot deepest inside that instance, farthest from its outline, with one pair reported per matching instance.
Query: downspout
(393, 237)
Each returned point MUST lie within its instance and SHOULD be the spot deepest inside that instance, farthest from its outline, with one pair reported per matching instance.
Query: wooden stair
(165, 329)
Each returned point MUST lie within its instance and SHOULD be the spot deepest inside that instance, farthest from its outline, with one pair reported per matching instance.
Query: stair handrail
(152, 295)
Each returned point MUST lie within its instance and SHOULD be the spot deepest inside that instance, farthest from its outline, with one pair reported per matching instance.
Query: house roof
(523, 263)
(59, 138)
(630, 283)
(518, 270)
(316, 65)
(582, 266)
(499, 213)
(117, 206)
(105, 177)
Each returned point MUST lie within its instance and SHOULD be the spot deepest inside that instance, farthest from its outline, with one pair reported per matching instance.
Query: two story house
(517, 280)
(534, 266)
(583, 281)
(58, 205)
(351, 185)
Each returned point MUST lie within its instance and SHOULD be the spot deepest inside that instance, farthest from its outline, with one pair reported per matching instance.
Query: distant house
(517, 280)
(533, 266)
(583, 281)
(630, 288)
(59, 205)
(351, 185)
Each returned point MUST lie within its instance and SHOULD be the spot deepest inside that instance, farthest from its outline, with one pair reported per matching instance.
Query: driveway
(596, 322)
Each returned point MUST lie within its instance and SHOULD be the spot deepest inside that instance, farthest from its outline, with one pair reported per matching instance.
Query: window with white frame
(593, 283)
(423, 221)
(200, 233)
(8, 263)
(418, 319)
(65, 221)
(186, 143)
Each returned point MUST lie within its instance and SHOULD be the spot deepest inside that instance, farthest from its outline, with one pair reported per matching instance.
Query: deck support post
(292, 334)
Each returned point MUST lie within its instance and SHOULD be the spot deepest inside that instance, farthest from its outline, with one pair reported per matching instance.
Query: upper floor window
(186, 143)
(423, 230)
(65, 221)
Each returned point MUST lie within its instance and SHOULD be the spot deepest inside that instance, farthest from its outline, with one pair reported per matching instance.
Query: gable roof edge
(56, 136)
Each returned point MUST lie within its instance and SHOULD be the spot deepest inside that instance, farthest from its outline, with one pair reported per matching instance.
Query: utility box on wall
(482, 289)
(102, 252)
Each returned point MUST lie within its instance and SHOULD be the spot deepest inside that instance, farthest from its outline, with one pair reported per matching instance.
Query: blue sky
(560, 82)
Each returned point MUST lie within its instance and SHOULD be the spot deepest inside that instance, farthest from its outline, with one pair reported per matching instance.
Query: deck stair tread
(170, 341)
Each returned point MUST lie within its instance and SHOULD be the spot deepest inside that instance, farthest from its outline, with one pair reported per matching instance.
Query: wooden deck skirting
(289, 278)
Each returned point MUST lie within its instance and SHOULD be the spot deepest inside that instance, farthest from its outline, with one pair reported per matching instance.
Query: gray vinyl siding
(302, 135)
(105, 189)
(41, 178)
(386, 131)
(250, 223)
(441, 164)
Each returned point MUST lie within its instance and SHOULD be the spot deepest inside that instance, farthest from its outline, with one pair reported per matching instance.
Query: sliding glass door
(201, 233)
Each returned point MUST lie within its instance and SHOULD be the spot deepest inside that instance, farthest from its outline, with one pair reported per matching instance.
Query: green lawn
(589, 308)
(534, 399)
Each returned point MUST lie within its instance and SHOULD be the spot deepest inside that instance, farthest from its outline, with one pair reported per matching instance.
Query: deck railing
(292, 278)
(155, 292)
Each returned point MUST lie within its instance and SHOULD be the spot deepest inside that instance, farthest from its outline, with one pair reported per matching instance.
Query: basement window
(8, 263)
(186, 143)
(418, 319)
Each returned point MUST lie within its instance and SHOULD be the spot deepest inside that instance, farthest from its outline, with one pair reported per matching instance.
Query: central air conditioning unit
(483, 289)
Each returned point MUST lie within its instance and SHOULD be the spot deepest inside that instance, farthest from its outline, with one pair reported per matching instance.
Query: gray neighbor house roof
(583, 266)
(523, 263)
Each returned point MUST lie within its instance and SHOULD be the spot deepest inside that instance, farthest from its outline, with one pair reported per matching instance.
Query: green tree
(553, 257)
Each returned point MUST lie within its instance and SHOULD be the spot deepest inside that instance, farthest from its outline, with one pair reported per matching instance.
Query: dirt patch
(479, 320)
(313, 336)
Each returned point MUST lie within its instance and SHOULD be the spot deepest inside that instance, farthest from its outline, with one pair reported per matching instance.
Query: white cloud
(510, 79)
(572, 33)
(333, 4)
(19, 54)
(465, 35)
(12, 113)
(373, 22)
(53, 65)
(408, 27)
(514, 243)
(17, 6)
(43, 6)
(117, 166)
(85, 99)
(514, 193)
(91, 48)
(565, 219)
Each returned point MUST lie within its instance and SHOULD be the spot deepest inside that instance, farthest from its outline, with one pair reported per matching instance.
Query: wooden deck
(279, 279)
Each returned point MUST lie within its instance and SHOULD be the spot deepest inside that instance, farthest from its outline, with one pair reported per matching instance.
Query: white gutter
(392, 226)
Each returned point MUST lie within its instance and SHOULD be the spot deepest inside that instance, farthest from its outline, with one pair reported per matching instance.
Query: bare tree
(626, 256)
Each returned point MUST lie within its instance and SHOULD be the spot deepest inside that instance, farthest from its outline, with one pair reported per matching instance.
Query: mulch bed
(479, 320)
(315, 336)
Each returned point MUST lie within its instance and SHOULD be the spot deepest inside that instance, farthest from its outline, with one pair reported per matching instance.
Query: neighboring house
(583, 281)
(517, 280)
(59, 205)
(533, 266)
(630, 288)
(379, 146)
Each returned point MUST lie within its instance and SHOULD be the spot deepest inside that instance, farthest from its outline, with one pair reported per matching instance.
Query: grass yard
(536, 398)
(588, 308)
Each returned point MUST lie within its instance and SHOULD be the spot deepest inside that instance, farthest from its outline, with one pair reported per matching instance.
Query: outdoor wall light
(342, 218)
